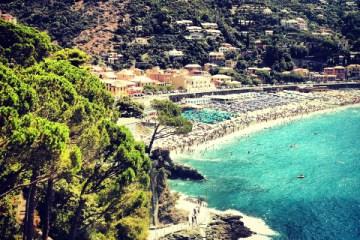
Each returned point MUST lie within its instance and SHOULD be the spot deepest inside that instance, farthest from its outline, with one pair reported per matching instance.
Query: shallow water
(258, 176)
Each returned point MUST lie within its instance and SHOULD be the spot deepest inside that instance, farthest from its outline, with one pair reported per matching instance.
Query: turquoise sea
(257, 175)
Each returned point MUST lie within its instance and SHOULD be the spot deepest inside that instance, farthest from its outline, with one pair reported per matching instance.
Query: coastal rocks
(161, 158)
(183, 235)
(185, 173)
(222, 227)
(227, 227)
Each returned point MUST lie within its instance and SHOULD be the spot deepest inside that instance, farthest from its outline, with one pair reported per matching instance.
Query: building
(175, 53)
(217, 58)
(118, 88)
(255, 70)
(193, 81)
(213, 33)
(142, 81)
(227, 48)
(125, 74)
(269, 32)
(193, 67)
(194, 29)
(184, 23)
(267, 11)
(113, 57)
(210, 66)
(230, 63)
(208, 25)
(353, 71)
(196, 83)
(303, 72)
(243, 22)
(339, 71)
(141, 41)
(8, 17)
(160, 75)
(221, 79)
(297, 23)
(317, 77)
(97, 70)
(109, 76)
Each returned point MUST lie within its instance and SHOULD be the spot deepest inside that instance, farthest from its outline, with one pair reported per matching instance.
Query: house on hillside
(217, 58)
(113, 57)
(353, 71)
(267, 11)
(141, 41)
(255, 70)
(210, 66)
(175, 53)
(212, 33)
(184, 23)
(8, 17)
(269, 32)
(193, 67)
(227, 48)
(297, 23)
(209, 25)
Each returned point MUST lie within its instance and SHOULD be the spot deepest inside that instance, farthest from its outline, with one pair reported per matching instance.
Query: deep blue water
(257, 175)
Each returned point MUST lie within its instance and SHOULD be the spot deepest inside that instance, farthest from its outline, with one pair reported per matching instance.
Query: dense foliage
(61, 152)
(156, 21)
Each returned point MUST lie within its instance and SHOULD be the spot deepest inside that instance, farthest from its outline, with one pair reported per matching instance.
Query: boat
(301, 176)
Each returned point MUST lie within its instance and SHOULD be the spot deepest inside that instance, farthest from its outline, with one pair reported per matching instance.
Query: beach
(203, 135)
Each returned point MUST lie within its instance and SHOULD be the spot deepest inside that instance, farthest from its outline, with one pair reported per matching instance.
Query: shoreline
(255, 128)
(260, 230)
(209, 137)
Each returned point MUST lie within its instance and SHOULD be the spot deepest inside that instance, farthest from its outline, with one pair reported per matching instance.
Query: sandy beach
(254, 128)
(205, 136)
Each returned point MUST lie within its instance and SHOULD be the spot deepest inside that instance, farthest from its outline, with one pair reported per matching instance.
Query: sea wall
(293, 87)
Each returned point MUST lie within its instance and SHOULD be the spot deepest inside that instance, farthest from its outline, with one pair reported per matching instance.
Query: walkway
(198, 217)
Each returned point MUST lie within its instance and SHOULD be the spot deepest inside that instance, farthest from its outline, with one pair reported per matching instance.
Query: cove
(257, 175)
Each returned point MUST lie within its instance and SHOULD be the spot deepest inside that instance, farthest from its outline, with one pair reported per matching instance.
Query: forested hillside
(332, 30)
(67, 170)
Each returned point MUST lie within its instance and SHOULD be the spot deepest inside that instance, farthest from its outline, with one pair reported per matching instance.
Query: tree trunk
(30, 209)
(154, 198)
(149, 148)
(76, 219)
(49, 201)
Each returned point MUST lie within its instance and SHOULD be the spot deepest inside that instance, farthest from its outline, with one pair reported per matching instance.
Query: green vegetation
(22, 45)
(284, 49)
(158, 89)
(169, 121)
(81, 175)
(129, 108)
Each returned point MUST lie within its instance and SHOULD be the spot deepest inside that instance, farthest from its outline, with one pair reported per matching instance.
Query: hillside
(302, 33)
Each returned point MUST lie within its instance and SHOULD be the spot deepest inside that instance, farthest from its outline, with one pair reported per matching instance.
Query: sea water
(258, 175)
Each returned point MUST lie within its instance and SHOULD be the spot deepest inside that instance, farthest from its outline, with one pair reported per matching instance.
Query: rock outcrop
(175, 170)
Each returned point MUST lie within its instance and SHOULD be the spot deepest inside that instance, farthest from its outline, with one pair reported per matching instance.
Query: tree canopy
(169, 121)
(61, 150)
